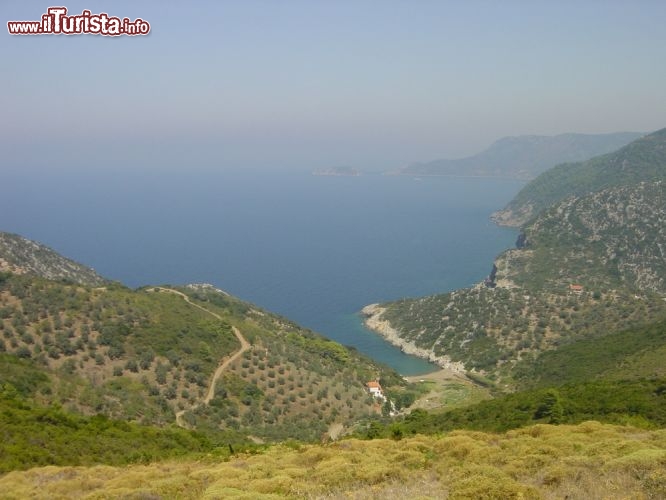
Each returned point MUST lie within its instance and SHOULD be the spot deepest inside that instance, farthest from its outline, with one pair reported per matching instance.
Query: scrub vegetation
(590, 460)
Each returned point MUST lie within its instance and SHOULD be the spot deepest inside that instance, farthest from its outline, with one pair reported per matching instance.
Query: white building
(376, 390)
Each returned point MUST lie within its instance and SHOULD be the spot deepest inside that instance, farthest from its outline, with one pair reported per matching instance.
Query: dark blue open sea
(314, 249)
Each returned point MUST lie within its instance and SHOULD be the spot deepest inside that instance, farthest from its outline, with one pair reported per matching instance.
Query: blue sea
(315, 249)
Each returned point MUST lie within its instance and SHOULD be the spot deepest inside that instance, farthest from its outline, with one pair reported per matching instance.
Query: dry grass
(591, 461)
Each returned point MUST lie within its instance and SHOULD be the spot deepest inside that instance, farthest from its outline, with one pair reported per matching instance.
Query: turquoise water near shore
(314, 249)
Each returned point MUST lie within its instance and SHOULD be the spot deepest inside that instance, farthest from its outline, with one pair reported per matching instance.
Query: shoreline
(372, 318)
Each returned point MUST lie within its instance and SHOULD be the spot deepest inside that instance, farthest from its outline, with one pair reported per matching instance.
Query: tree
(375, 430)
(550, 407)
(161, 373)
(23, 352)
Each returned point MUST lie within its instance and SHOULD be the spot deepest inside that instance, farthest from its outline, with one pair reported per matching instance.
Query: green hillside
(33, 436)
(617, 378)
(632, 354)
(489, 330)
(642, 160)
(610, 239)
(192, 356)
(641, 403)
(608, 244)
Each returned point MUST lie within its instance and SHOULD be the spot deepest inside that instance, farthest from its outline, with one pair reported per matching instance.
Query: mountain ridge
(641, 160)
(524, 157)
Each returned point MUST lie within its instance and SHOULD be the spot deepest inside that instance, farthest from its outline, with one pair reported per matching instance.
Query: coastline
(373, 321)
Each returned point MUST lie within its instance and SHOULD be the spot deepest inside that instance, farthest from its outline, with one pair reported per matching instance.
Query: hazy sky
(305, 84)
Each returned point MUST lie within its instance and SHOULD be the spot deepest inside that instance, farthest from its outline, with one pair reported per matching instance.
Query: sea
(315, 249)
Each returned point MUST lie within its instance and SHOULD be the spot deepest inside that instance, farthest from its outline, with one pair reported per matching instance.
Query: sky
(293, 84)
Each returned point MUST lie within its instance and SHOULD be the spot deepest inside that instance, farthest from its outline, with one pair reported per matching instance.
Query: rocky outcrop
(490, 279)
(521, 241)
(206, 287)
(513, 216)
(22, 256)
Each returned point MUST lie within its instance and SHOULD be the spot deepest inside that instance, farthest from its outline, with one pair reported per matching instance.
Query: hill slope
(642, 160)
(609, 244)
(148, 355)
(626, 355)
(613, 238)
(524, 157)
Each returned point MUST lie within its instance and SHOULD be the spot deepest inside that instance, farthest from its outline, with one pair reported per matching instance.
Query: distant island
(338, 171)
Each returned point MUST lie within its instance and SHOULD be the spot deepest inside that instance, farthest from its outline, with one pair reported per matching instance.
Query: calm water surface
(314, 249)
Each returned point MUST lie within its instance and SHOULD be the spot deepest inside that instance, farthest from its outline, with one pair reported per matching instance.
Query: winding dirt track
(245, 345)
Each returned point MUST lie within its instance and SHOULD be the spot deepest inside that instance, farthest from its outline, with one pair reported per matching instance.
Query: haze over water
(314, 249)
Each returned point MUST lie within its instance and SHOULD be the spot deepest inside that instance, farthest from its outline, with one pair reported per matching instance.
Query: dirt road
(245, 345)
